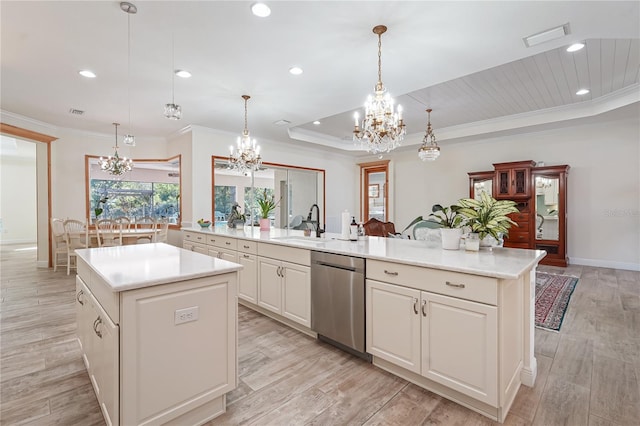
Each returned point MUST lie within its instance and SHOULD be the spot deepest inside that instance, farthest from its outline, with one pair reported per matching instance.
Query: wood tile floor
(588, 374)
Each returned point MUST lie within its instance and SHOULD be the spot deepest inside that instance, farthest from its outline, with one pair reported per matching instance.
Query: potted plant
(451, 222)
(488, 216)
(267, 205)
(98, 209)
(236, 218)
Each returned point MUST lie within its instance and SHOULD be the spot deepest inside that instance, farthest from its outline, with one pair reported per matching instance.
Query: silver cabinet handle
(80, 293)
(219, 255)
(278, 271)
(415, 305)
(393, 274)
(424, 308)
(96, 323)
(450, 284)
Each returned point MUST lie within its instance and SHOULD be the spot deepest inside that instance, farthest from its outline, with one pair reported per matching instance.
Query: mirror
(374, 193)
(547, 214)
(150, 189)
(294, 188)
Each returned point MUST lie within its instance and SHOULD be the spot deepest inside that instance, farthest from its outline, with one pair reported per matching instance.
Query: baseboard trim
(15, 242)
(528, 374)
(42, 264)
(599, 263)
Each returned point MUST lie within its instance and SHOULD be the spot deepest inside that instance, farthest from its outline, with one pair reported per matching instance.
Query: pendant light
(382, 128)
(429, 150)
(129, 9)
(245, 157)
(114, 164)
(171, 110)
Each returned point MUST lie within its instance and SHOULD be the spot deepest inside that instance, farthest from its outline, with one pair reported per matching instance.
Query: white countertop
(142, 265)
(498, 262)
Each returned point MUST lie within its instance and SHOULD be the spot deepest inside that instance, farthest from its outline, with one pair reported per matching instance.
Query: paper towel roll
(345, 221)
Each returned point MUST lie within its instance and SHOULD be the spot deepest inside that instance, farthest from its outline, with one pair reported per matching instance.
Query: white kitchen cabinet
(248, 277)
(440, 330)
(221, 253)
(158, 354)
(284, 282)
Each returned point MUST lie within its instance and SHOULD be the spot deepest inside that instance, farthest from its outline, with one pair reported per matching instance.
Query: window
(152, 188)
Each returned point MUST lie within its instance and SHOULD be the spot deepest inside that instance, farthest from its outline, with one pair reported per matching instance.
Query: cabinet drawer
(84, 272)
(195, 237)
(284, 253)
(108, 300)
(464, 286)
(518, 236)
(509, 244)
(247, 246)
(222, 242)
(520, 217)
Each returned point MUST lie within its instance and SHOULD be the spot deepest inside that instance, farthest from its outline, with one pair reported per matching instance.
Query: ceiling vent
(76, 111)
(281, 122)
(547, 35)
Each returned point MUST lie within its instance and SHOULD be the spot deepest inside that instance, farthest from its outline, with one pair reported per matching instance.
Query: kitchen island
(157, 325)
(458, 323)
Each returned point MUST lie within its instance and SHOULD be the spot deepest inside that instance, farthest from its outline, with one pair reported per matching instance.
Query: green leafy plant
(98, 209)
(488, 216)
(447, 217)
(267, 204)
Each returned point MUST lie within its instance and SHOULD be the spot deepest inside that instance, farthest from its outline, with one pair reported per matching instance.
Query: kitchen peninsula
(457, 323)
(157, 327)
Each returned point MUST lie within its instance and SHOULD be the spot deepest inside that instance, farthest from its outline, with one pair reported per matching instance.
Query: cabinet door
(393, 324)
(460, 345)
(107, 368)
(198, 248)
(520, 182)
(296, 293)
(270, 284)
(248, 277)
(81, 315)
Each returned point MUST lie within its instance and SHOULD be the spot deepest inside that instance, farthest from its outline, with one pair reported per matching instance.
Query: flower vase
(264, 224)
(451, 238)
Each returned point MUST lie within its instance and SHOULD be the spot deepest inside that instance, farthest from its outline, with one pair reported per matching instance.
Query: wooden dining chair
(109, 233)
(76, 237)
(124, 221)
(58, 243)
(145, 222)
(376, 228)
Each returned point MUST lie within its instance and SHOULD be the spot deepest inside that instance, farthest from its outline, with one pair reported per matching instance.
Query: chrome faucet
(319, 230)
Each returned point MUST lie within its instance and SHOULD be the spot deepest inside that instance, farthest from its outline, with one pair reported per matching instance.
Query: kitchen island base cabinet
(455, 334)
(171, 356)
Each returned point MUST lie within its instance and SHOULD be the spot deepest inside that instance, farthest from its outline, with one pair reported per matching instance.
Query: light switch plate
(186, 315)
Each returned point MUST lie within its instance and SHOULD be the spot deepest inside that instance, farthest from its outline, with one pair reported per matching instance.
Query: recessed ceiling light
(183, 73)
(575, 47)
(295, 70)
(261, 10)
(317, 123)
(582, 92)
(87, 73)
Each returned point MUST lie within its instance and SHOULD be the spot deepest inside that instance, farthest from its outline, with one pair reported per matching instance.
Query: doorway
(374, 190)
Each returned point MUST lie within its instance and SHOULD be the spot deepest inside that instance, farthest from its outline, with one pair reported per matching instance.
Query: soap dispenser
(353, 229)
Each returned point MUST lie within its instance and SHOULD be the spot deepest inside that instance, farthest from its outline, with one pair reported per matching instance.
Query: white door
(248, 277)
(460, 346)
(393, 324)
(270, 284)
(107, 372)
(296, 293)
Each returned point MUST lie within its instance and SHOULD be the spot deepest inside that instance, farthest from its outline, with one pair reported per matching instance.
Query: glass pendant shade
(129, 140)
(429, 150)
(114, 164)
(173, 111)
(382, 129)
(245, 156)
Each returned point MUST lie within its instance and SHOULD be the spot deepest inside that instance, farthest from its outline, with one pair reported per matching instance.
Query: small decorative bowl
(204, 224)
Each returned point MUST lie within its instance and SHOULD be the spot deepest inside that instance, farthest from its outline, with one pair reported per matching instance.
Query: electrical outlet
(186, 315)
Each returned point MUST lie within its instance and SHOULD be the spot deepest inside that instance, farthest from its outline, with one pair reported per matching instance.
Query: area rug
(553, 293)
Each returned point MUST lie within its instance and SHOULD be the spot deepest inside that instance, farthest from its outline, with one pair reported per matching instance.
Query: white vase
(451, 238)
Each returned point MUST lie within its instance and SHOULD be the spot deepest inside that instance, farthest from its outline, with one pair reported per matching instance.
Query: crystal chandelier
(245, 157)
(114, 164)
(129, 9)
(429, 150)
(382, 128)
(173, 111)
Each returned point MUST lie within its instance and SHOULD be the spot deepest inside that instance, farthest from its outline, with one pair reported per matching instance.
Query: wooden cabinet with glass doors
(540, 194)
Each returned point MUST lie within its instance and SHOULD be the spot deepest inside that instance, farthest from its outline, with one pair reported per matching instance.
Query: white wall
(18, 191)
(603, 201)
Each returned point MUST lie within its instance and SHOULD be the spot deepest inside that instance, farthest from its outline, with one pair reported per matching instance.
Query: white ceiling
(466, 60)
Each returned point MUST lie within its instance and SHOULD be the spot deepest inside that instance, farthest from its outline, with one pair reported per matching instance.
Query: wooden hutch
(541, 197)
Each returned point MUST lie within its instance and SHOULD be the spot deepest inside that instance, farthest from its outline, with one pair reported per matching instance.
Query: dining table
(129, 236)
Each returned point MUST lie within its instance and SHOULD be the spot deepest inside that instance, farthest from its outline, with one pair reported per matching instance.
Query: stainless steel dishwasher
(337, 301)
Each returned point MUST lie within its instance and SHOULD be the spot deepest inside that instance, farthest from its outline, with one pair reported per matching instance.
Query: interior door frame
(365, 170)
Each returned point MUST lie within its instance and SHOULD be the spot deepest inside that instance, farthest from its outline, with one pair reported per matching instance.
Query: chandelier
(173, 111)
(382, 128)
(114, 164)
(129, 9)
(429, 150)
(246, 156)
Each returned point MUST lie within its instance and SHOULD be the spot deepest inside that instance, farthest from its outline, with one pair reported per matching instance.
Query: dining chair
(124, 221)
(76, 237)
(424, 230)
(162, 231)
(376, 228)
(145, 222)
(109, 233)
(59, 242)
